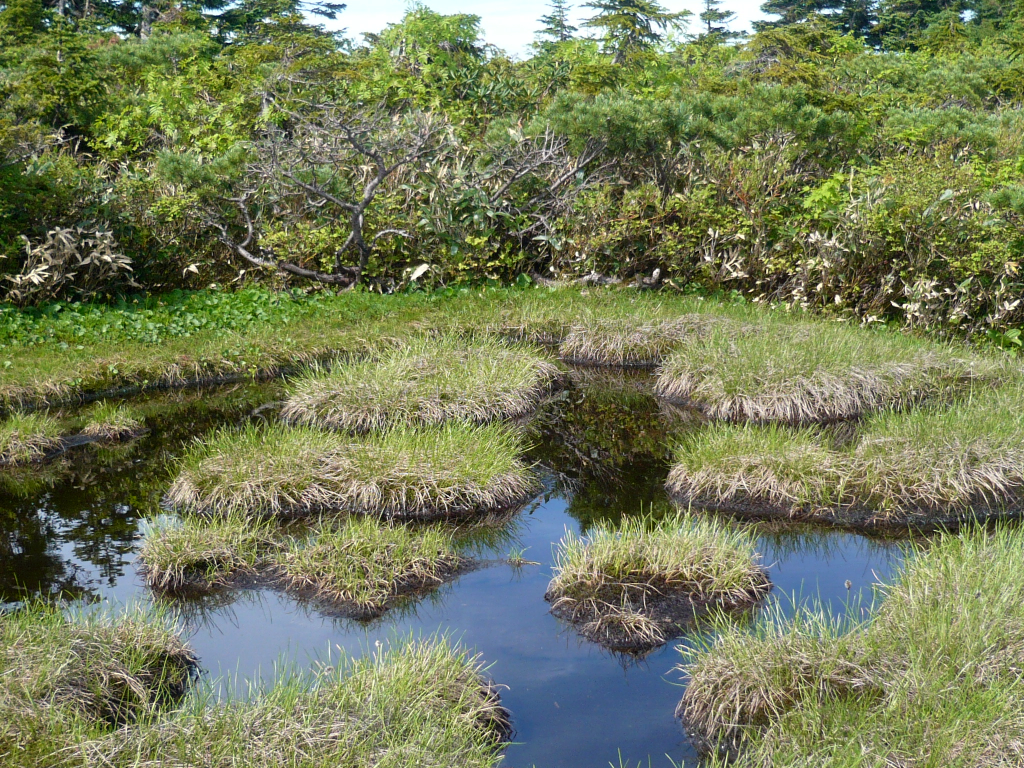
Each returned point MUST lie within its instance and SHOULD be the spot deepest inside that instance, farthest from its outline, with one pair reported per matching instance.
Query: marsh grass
(629, 341)
(361, 567)
(26, 437)
(201, 553)
(356, 567)
(96, 670)
(933, 678)
(419, 702)
(936, 465)
(98, 691)
(409, 472)
(632, 585)
(111, 422)
(794, 371)
(426, 381)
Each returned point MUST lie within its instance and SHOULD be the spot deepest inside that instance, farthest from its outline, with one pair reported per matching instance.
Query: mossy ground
(425, 381)
(81, 693)
(938, 465)
(412, 472)
(932, 679)
(634, 585)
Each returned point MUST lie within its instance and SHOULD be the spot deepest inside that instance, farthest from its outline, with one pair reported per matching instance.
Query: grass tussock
(204, 553)
(97, 670)
(631, 585)
(407, 472)
(938, 464)
(111, 422)
(361, 567)
(802, 372)
(421, 702)
(932, 679)
(426, 381)
(357, 567)
(85, 694)
(628, 341)
(26, 437)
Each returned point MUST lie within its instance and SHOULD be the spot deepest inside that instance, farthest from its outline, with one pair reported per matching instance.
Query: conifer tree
(716, 21)
(557, 27)
(633, 25)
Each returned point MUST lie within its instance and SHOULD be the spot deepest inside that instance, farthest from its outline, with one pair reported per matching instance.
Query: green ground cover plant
(937, 465)
(355, 566)
(84, 692)
(932, 678)
(63, 676)
(361, 567)
(796, 371)
(26, 437)
(630, 341)
(111, 422)
(205, 553)
(425, 381)
(406, 472)
(632, 586)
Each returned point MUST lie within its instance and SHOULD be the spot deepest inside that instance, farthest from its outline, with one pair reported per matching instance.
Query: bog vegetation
(79, 691)
(922, 679)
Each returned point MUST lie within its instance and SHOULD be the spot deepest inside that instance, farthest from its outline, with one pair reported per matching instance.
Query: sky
(508, 24)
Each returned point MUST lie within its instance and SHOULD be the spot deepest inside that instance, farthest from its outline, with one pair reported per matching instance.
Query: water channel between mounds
(73, 526)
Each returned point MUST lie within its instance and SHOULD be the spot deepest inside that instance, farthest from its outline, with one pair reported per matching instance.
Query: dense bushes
(802, 166)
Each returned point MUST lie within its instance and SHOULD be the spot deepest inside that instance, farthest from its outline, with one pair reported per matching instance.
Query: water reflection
(73, 527)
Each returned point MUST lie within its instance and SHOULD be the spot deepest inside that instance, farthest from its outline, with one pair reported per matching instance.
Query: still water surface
(74, 527)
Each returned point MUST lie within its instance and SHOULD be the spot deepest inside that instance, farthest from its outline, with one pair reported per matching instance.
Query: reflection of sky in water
(573, 704)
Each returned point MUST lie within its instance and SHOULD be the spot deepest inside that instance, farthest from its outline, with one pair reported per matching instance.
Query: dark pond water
(73, 527)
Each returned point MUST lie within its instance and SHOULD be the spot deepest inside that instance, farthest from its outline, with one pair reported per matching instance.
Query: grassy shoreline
(931, 679)
(353, 567)
(120, 692)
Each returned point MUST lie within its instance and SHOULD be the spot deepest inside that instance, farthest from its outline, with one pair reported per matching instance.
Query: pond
(74, 526)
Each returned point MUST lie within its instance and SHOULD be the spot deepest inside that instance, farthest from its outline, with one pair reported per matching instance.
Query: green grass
(408, 472)
(204, 553)
(108, 421)
(939, 463)
(26, 437)
(933, 679)
(61, 674)
(422, 703)
(88, 692)
(632, 339)
(797, 371)
(425, 381)
(362, 566)
(614, 582)
(357, 566)
(173, 340)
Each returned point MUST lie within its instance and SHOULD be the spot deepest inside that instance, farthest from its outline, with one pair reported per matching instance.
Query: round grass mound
(357, 567)
(428, 381)
(406, 472)
(932, 467)
(808, 372)
(633, 586)
(630, 341)
(27, 437)
(110, 422)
